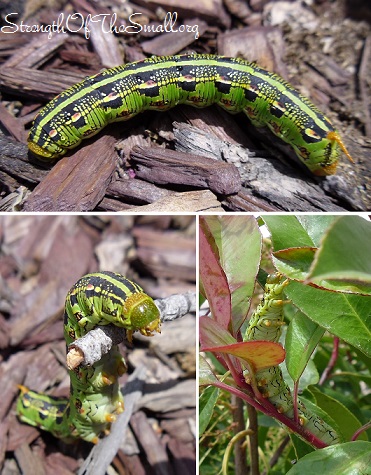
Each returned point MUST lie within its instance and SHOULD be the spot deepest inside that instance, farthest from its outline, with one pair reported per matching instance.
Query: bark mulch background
(41, 257)
(168, 161)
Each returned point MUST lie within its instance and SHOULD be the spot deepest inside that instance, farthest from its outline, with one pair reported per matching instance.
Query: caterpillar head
(142, 315)
(322, 157)
(43, 145)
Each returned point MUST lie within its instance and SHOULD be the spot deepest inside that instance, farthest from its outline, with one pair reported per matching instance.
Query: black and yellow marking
(161, 83)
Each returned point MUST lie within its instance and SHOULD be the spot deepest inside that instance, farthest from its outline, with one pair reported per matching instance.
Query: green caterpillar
(266, 324)
(95, 400)
(160, 83)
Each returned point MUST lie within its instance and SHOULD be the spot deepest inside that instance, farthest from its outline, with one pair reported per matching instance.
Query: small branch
(90, 348)
(363, 83)
(238, 393)
(271, 410)
(358, 432)
(277, 454)
(176, 306)
(254, 442)
(240, 465)
(266, 407)
(234, 367)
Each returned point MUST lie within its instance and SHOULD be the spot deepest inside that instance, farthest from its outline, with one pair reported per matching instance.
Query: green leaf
(297, 231)
(294, 262)
(206, 375)
(301, 447)
(344, 256)
(351, 458)
(302, 337)
(339, 264)
(343, 315)
(207, 402)
(346, 421)
(239, 243)
(309, 376)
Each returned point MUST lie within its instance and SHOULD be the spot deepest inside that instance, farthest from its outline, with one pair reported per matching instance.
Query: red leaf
(214, 280)
(259, 354)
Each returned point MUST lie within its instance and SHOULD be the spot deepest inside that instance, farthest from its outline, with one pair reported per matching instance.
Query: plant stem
(331, 363)
(254, 442)
(277, 454)
(239, 446)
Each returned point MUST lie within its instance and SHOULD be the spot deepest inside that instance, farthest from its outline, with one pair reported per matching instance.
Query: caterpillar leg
(93, 414)
(96, 398)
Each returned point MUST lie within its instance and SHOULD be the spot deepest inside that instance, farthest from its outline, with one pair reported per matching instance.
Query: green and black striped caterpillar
(266, 324)
(96, 299)
(160, 83)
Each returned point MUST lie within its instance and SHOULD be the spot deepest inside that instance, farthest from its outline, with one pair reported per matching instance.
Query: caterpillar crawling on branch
(96, 299)
(160, 83)
(266, 324)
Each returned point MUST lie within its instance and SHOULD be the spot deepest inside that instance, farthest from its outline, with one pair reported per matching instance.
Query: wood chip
(188, 202)
(36, 84)
(154, 451)
(12, 125)
(172, 399)
(166, 166)
(137, 191)
(260, 44)
(106, 45)
(36, 52)
(79, 182)
(175, 42)
(29, 463)
(210, 10)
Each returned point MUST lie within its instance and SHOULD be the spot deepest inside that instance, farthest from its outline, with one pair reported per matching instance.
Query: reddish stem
(266, 407)
(331, 363)
(358, 432)
(295, 400)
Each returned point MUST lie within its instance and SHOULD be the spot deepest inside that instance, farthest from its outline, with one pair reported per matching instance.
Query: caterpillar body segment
(267, 320)
(43, 411)
(266, 324)
(95, 396)
(160, 83)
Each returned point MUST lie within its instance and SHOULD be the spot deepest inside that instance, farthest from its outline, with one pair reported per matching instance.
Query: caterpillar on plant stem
(96, 299)
(266, 324)
(160, 83)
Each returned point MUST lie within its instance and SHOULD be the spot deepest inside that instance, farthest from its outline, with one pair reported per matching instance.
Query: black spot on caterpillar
(160, 83)
(266, 324)
(95, 399)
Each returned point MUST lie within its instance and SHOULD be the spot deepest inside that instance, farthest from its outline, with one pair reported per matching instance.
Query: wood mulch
(40, 259)
(187, 159)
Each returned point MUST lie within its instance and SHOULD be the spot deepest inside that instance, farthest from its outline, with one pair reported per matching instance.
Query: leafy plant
(326, 263)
